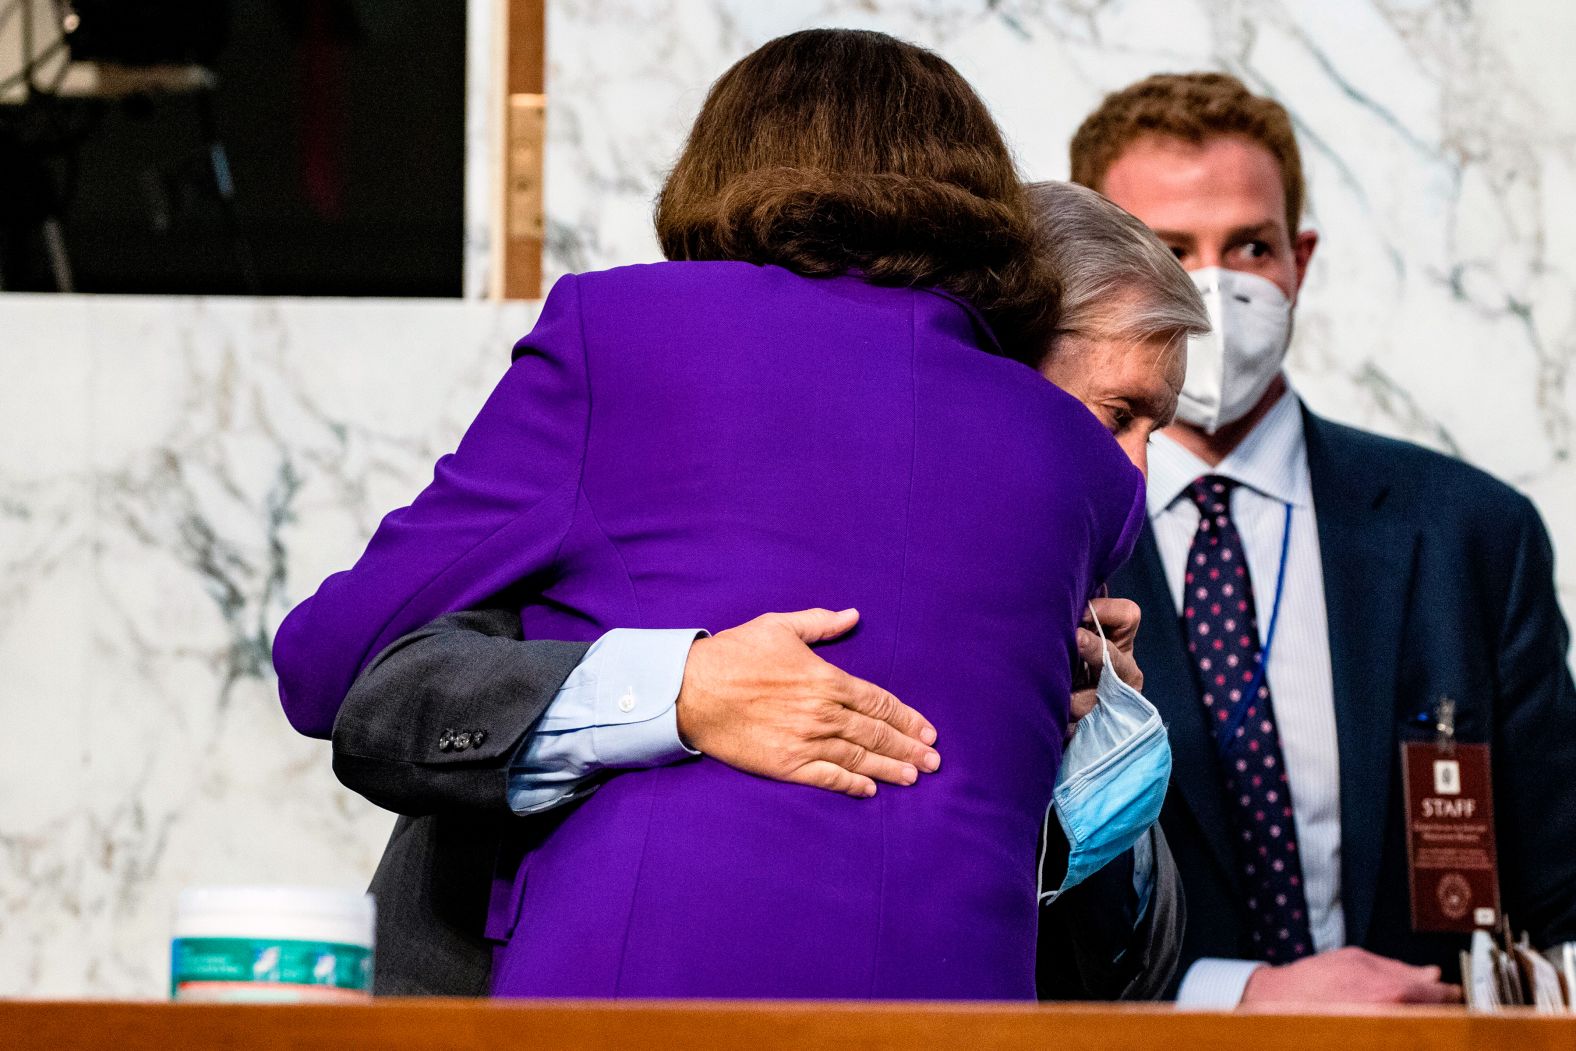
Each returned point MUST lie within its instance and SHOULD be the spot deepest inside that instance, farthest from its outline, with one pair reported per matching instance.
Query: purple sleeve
(1124, 530)
(496, 511)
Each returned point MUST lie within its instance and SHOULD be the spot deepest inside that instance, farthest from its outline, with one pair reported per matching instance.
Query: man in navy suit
(1369, 578)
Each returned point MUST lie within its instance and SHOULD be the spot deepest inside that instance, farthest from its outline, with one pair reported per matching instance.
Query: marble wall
(175, 473)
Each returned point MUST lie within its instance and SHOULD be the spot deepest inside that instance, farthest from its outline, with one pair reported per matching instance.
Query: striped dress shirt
(1271, 465)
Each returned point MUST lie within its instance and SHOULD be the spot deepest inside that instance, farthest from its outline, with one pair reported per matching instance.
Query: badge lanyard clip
(1445, 726)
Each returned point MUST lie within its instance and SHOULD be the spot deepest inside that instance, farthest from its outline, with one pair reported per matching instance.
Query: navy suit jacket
(1439, 582)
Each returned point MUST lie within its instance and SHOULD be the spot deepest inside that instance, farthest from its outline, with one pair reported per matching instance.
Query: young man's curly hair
(1192, 107)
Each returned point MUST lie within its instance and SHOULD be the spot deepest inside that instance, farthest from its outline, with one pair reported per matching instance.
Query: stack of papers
(1501, 972)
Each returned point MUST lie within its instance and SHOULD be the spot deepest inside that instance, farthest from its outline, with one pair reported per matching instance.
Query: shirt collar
(1272, 460)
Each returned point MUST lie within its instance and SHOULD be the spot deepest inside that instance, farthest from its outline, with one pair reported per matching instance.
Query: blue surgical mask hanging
(1113, 777)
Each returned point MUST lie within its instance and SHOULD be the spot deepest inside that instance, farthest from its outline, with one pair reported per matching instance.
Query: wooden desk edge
(471, 1025)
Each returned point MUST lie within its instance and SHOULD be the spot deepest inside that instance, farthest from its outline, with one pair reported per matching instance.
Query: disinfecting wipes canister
(279, 944)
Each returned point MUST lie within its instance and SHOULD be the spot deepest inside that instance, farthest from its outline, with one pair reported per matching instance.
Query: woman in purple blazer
(854, 261)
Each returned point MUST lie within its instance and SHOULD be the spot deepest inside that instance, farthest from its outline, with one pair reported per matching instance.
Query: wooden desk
(408, 1025)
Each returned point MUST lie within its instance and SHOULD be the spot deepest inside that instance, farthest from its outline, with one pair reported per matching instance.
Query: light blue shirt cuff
(617, 710)
(1215, 985)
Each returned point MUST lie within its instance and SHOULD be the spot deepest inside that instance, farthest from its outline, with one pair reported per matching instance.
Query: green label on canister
(268, 963)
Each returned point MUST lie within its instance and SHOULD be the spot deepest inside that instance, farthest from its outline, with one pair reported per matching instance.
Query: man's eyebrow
(1249, 233)
(1173, 235)
(1160, 403)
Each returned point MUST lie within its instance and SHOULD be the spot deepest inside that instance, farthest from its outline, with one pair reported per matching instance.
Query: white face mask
(1230, 368)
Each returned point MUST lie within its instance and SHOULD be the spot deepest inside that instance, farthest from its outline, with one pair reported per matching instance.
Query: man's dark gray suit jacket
(471, 673)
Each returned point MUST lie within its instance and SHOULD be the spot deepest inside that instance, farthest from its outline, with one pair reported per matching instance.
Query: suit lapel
(1169, 685)
(1367, 555)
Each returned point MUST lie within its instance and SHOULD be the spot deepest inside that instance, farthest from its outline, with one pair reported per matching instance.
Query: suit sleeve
(1535, 746)
(1093, 947)
(466, 672)
(495, 514)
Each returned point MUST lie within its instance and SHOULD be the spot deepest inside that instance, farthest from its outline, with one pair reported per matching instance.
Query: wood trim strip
(524, 131)
(460, 1025)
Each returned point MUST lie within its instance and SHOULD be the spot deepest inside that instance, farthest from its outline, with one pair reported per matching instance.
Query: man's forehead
(1222, 183)
(1149, 367)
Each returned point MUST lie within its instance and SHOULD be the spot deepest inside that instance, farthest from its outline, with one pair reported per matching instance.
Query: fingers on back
(834, 778)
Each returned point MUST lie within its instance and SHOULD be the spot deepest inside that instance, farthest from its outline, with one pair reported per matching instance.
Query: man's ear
(1302, 253)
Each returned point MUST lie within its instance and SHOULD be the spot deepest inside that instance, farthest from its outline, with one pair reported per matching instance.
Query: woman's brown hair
(837, 150)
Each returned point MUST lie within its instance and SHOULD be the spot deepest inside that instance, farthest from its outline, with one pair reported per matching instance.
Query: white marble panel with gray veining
(175, 474)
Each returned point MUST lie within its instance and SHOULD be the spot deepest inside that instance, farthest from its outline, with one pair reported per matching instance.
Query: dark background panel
(342, 125)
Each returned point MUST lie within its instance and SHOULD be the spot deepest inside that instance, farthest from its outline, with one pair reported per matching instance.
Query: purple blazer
(688, 444)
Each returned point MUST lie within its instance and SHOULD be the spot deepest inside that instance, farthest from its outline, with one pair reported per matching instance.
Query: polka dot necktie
(1223, 640)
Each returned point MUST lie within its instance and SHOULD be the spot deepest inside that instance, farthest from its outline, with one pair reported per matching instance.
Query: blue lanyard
(1250, 695)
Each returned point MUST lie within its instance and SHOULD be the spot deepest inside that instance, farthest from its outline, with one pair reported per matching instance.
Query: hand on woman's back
(757, 698)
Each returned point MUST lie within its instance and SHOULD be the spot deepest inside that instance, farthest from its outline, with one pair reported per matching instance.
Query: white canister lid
(292, 913)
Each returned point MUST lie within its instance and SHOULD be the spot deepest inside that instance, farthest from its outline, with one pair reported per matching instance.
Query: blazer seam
(579, 494)
(580, 481)
(585, 435)
(902, 588)
(623, 563)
